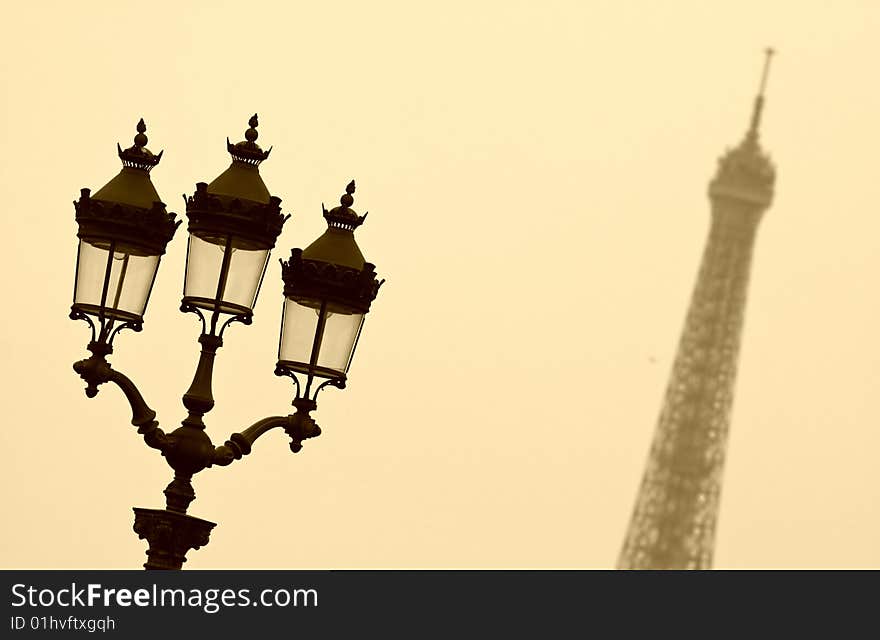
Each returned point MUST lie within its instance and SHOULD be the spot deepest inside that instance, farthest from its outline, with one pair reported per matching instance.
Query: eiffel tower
(674, 519)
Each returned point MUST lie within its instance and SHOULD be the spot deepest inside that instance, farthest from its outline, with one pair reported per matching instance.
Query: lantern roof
(242, 179)
(333, 268)
(337, 245)
(128, 209)
(132, 185)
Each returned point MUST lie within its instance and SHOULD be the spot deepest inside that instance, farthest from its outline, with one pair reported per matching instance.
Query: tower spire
(759, 99)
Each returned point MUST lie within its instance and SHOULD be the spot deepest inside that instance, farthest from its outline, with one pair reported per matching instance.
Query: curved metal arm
(239, 444)
(96, 371)
(299, 426)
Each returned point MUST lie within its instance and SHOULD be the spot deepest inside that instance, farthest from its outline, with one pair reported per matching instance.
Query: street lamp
(123, 232)
(328, 289)
(233, 225)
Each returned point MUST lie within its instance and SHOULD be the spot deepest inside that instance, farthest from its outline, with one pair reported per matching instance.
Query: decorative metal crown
(138, 156)
(256, 221)
(248, 151)
(152, 228)
(319, 280)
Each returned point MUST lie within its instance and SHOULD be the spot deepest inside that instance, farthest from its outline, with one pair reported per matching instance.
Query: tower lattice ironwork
(674, 519)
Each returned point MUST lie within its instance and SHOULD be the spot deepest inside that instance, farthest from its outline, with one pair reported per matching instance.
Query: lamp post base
(170, 535)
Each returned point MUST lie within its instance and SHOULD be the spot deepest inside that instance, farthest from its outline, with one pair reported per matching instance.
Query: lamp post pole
(233, 225)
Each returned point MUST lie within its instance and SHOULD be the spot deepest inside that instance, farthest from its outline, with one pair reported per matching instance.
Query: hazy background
(536, 177)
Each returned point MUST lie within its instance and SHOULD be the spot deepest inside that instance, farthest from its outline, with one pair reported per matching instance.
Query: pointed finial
(343, 217)
(251, 134)
(138, 156)
(347, 200)
(140, 140)
(248, 150)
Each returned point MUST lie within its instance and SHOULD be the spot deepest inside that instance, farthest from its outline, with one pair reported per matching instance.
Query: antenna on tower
(759, 99)
(768, 53)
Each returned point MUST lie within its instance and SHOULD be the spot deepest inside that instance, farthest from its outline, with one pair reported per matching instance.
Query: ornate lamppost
(124, 229)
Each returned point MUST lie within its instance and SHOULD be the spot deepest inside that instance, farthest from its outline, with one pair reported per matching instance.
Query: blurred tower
(673, 523)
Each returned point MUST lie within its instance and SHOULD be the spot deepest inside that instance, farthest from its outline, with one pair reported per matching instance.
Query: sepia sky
(536, 178)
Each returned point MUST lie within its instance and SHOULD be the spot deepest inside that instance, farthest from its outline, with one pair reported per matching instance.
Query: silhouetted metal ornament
(123, 231)
(170, 536)
(233, 225)
(328, 289)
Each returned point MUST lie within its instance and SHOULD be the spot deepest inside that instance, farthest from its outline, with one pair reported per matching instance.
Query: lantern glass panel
(340, 334)
(129, 275)
(298, 326)
(204, 272)
(203, 262)
(246, 269)
(337, 341)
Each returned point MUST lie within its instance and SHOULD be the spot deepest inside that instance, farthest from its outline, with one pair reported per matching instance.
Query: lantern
(328, 289)
(233, 225)
(123, 231)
